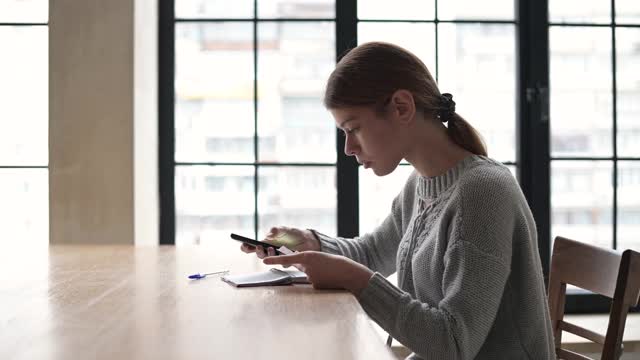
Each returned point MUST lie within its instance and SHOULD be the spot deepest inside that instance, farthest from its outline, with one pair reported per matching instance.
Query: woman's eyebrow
(346, 121)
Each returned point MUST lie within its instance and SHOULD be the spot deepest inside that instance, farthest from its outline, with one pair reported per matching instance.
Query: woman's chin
(381, 170)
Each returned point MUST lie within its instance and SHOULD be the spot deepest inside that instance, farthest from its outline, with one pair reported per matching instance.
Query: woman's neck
(432, 152)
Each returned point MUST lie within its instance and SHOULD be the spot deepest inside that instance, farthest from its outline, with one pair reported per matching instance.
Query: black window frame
(533, 158)
(166, 140)
(581, 301)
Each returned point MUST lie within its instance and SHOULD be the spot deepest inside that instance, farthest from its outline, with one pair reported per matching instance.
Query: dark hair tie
(447, 107)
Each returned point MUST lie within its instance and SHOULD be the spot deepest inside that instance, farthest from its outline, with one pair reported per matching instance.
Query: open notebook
(267, 278)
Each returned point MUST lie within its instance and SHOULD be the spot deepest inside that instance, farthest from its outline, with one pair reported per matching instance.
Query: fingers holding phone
(293, 238)
(261, 248)
(260, 251)
(248, 248)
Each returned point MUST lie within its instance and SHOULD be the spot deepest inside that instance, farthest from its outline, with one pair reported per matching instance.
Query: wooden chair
(610, 273)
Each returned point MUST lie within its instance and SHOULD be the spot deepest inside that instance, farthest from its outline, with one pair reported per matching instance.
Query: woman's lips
(366, 164)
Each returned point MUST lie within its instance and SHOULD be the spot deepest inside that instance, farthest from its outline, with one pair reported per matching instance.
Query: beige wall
(102, 127)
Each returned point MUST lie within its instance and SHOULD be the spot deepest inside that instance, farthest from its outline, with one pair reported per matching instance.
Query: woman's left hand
(327, 271)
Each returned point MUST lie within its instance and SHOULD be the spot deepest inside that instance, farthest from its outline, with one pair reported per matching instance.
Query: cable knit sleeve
(377, 250)
(476, 263)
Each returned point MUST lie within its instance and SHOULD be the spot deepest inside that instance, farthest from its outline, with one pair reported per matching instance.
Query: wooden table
(126, 302)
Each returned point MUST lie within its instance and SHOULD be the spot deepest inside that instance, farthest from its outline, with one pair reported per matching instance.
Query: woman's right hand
(294, 239)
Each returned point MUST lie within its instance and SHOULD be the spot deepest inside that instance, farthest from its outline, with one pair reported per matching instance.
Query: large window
(24, 215)
(595, 127)
(253, 145)
(552, 85)
(469, 47)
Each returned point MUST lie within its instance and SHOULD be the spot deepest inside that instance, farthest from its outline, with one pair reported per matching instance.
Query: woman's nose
(351, 148)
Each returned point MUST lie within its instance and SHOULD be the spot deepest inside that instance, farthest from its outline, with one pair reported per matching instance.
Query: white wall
(103, 121)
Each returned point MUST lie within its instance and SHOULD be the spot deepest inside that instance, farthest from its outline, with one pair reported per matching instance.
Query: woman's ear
(404, 108)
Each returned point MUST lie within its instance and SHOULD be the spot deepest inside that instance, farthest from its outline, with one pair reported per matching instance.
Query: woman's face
(374, 140)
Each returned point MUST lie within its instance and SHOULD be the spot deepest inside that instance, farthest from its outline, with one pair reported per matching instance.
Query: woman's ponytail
(459, 130)
(465, 135)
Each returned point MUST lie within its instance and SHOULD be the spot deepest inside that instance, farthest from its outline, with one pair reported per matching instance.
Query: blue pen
(202, 276)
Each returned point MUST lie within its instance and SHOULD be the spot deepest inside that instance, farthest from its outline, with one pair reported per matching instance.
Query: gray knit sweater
(465, 248)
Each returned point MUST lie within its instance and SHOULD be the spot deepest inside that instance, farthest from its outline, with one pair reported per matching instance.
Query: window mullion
(347, 168)
(166, 127)
(533, 118)
(614, 130)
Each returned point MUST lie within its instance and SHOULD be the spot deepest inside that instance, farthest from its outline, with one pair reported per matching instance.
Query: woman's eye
(345, 132)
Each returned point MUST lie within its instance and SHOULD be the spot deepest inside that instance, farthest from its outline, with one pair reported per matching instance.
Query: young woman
(460, 234)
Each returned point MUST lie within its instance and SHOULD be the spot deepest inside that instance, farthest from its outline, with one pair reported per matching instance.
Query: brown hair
(371, 72)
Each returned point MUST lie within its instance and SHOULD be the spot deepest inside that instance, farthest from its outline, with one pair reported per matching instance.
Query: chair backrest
(603, 271)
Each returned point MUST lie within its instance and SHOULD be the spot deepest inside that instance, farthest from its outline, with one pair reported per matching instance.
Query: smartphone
(255, 243)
